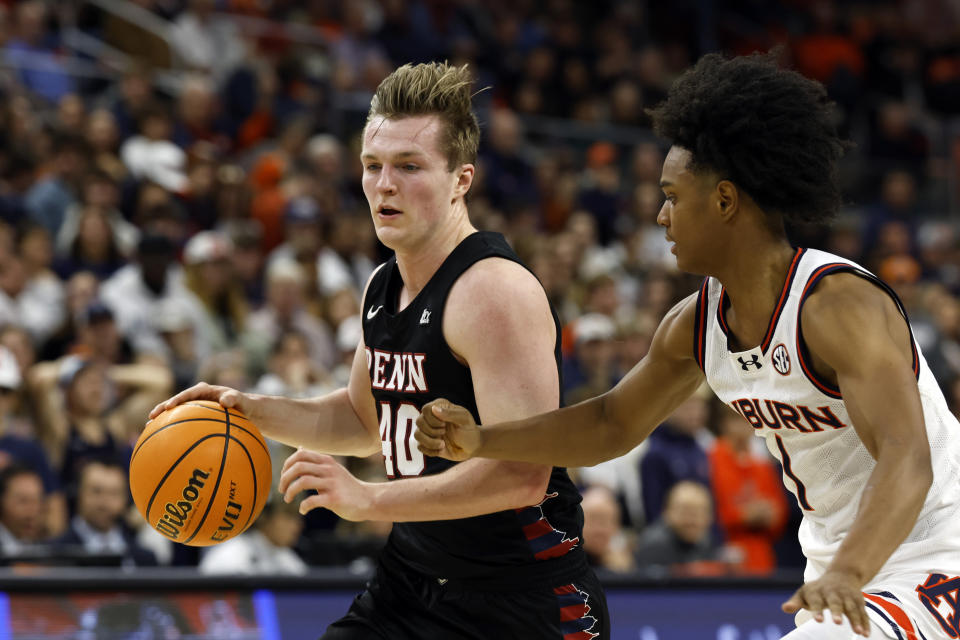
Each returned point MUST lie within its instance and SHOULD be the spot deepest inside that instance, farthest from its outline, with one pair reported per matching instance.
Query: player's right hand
(447, 430)
(227, 397)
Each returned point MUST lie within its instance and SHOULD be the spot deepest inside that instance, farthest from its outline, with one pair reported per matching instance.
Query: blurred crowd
(184, 204)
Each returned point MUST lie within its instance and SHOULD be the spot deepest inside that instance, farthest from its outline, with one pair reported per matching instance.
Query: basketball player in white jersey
(814, 351)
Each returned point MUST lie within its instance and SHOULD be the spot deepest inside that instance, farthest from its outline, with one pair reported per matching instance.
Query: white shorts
(912, 606)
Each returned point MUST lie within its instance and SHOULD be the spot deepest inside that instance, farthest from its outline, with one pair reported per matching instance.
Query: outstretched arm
(587, 433)
(343, 422)
(856, 335)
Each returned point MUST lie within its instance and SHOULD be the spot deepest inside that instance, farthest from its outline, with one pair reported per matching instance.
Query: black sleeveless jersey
(411, 364)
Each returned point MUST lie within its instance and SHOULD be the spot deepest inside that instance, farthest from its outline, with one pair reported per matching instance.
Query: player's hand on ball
(837, 591)
(227, 397)
(336, 489)
(447, 430)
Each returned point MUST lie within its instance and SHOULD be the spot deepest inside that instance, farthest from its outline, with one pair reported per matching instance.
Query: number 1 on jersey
(401, 456)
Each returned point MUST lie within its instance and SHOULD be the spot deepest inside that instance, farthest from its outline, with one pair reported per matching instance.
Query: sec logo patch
(781, 360)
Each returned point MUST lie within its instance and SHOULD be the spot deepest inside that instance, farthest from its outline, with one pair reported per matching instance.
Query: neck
(753, 278)
(418, 265)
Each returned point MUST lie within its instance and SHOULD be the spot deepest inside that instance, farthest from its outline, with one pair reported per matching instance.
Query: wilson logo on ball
(176, 514)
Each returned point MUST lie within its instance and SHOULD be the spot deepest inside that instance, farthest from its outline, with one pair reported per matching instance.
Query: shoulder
(845, 298)
(497, 296)
(496, 275)
(851, 323)
(675, 335)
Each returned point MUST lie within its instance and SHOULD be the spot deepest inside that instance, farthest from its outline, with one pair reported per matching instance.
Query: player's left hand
(837, 591)
(336, 489)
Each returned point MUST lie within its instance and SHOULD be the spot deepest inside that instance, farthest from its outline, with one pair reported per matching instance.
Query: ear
(727, 199)
(464, 180)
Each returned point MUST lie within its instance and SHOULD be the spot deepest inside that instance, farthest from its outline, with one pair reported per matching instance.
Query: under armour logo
(746, 364)
(425, 318)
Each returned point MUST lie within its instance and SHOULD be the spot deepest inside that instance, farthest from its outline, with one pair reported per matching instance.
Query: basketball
(200, 474)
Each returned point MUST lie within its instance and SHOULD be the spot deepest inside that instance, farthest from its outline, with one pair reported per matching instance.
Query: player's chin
(391, 237)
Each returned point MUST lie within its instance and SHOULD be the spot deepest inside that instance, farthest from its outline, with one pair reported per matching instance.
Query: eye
(372, 166)
(410, 167)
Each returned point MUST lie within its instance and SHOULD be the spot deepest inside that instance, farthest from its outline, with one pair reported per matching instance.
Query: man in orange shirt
(751, 507)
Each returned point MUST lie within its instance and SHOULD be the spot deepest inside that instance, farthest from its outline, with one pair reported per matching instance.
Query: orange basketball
(200, 474)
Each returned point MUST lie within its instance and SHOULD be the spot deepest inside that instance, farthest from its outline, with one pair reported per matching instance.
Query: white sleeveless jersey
(806, 426)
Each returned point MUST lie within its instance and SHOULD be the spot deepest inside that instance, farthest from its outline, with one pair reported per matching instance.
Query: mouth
(388, 212)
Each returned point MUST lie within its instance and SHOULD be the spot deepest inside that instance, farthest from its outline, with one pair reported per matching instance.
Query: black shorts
(403, 605)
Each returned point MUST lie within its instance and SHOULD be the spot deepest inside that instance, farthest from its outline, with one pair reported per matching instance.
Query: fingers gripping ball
(200, 473)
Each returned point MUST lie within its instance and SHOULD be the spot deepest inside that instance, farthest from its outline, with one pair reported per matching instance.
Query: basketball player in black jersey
(479, 549)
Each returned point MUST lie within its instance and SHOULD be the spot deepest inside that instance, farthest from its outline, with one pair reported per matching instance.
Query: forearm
(327, 424)
(454, 493)
(579, 436)
(888, 511)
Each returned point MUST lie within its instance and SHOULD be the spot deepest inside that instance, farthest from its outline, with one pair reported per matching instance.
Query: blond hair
(438, 89)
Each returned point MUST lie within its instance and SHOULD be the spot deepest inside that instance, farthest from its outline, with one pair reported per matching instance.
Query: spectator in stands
(133, 96)
(751, 507)
(682, 536)
(88, 409)
(897, 205)
(98, 339)
(152, 155)
(21, 415)
(49, 198)
(604, 538)
(98, 527)
(249, 259)
(94, 245)
(324, 155)
(343, 262)
(103, 137)
(285, 310)
(173, 323)
(509, 179)
(292, 372)
(206, 41)
(266, 548)
(36, 253)
(590, 371)
(134, 293)
(16, 448)
(197, 115)
(301, 225)
(21, 511)
(32, 52)
(217, 292)
(35, 303)
(100, 190)
(82, 290)
(675, 454)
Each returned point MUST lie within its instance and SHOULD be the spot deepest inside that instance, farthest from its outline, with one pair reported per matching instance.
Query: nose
(385, 182)
(663, 216)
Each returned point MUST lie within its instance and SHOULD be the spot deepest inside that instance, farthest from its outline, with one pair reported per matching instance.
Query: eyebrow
(402, 154)
(665, 183)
